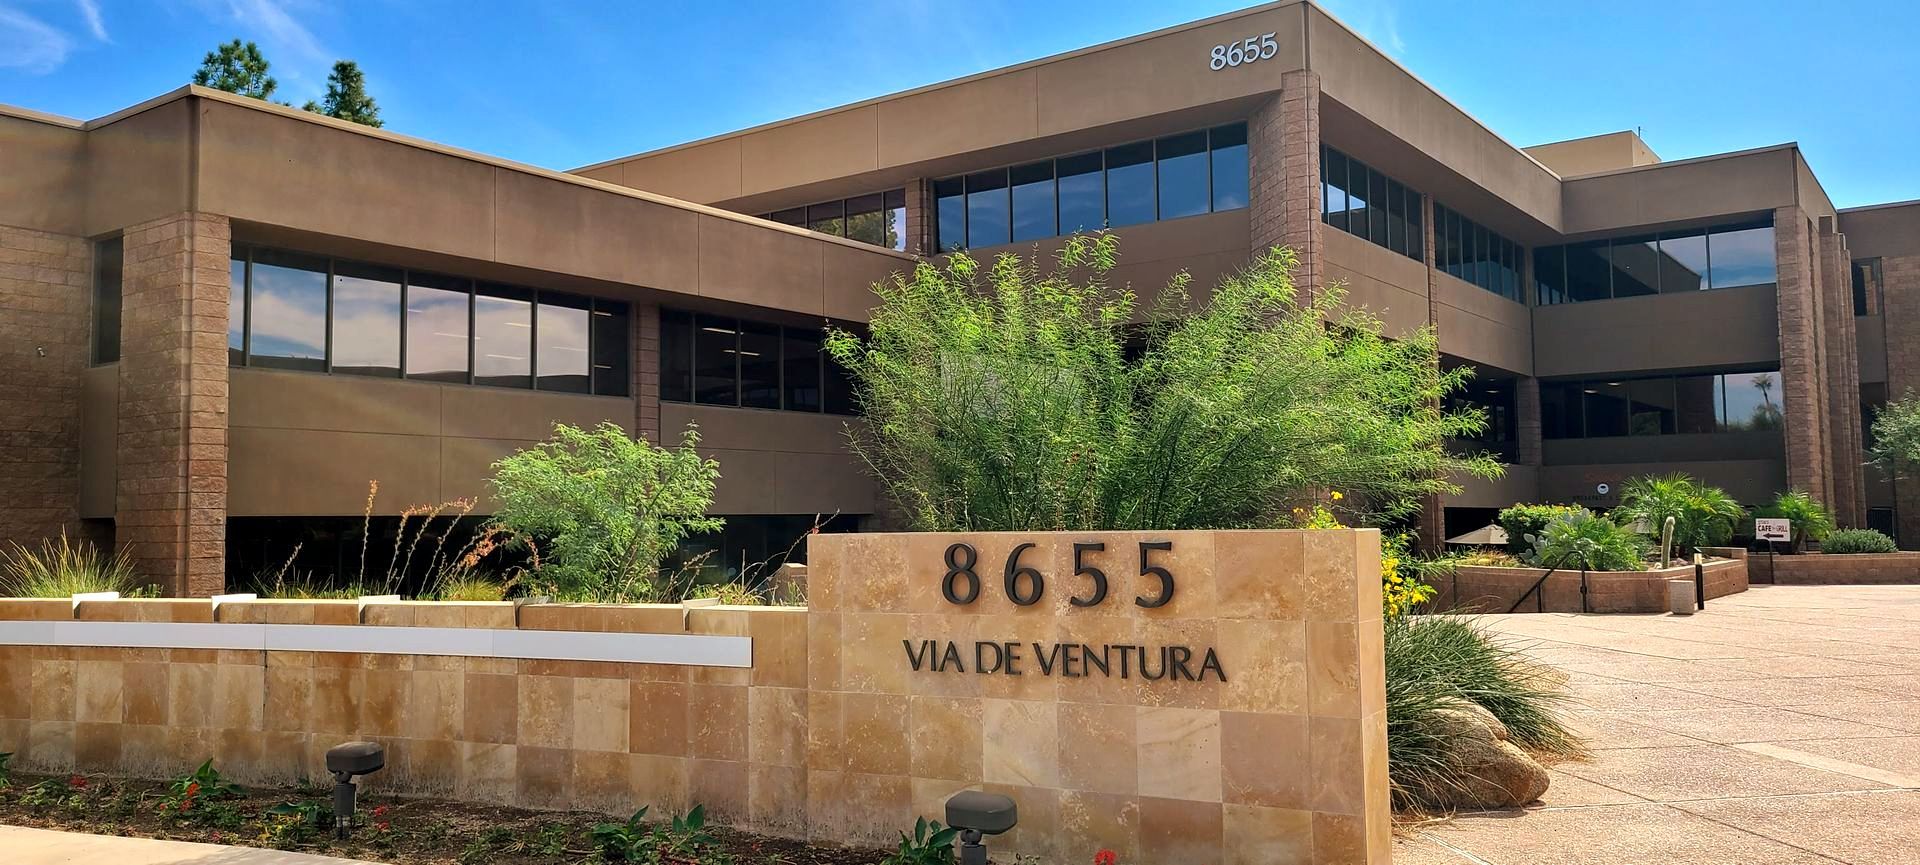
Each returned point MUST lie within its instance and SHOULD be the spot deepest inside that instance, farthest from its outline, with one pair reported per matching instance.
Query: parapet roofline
(221, 96)
(1912, 202)
(1733, 154)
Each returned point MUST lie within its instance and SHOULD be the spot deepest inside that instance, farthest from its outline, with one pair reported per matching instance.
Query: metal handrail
(1541, 601)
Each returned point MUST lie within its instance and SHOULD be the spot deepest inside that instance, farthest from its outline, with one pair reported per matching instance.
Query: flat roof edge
(1751, 151)
(23, 113)
(1911, 202)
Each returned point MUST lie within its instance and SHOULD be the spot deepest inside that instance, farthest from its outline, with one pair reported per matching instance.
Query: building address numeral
(1245, 51)
(1025, 585)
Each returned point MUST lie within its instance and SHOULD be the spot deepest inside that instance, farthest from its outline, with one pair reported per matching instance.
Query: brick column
(1900, 304)
(1433, 509)
(172, 486)
(919, 228)
(1803, 380)
(1526, 421)
(44, 298)
(646, 371)
(1283, 154)
(1843, 379)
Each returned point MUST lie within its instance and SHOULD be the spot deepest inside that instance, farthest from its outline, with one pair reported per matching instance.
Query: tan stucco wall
(140, 167)
(1520, 484)
(1478, 325)
(776, 462)
(1752, 181)
(1387, 284)
(1657, 332)
(42, 175)
(99, 439)
(1594, 153)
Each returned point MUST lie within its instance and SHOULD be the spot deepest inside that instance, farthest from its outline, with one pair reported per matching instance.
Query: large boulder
(1494, 774)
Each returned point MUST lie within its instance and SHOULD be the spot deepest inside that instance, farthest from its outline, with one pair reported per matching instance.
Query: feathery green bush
(1846, 541)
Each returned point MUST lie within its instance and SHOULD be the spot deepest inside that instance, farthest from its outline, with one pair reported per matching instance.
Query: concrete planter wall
(1243, 720)
(1836, 568)
(1497, 590)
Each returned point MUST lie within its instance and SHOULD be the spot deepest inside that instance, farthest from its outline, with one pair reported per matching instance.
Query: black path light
(346, 761)
(976, 814)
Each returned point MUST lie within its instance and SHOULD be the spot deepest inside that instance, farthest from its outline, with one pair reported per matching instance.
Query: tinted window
(1396, 217)
(612, 348)
(1377, 212)
(1606, 408)
(676, 356)
(1752, 401)
(1560, 410)
(950, 202)
(827, 218)
(366, 319)
(1683, 262)
(236, 309)
(801, 359)
(1229, 166)
(838, 386)
(1082, 193)
(865, 219)
(1636, 266)
(288, 294)
(1184, 190)
(1741, 256)
(1651, 407)
(1589, 275)
(1696, 403)
(564, 330)
(1358, 197)
(1130, 184)
(437, 317)
(1550, 275)
(107, 256)
(1416, 230)
(1866, 287)
(791, 216)
(759, 365)
(1334, 178)
(716, 371)
(503, 336)
(988, 219)
(1033, 213)
(894, 233)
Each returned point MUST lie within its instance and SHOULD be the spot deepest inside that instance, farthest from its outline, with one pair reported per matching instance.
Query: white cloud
(29, 44)
(274, 20)
(90, 9)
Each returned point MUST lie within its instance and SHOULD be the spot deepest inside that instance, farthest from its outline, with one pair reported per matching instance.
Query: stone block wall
(1804, 380)
(646, 371)
(1850, 569)
(1496, 590)
(45, 295)
(1901, 308)
(1283, 138)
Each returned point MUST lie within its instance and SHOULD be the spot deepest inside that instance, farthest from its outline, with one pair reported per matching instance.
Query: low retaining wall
(1497, 590)
(1214, 696)
(1814, 569)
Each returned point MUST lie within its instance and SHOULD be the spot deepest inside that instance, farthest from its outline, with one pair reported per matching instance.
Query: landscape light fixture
(346, 761)
(976, 814)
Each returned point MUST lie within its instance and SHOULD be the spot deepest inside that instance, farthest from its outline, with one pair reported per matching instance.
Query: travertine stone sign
(1178, 697)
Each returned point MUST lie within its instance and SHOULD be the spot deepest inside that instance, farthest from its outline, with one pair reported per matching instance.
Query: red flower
(1105, 857)
(379, 811)
(381, 826)
(77, 782)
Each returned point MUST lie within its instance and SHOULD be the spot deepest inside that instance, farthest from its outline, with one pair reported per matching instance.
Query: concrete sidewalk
(19, 846)
(1779, 727)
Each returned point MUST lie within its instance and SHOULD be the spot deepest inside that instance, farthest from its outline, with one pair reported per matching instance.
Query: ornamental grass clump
(1006, 398)
(1435, 662)
(1855, 541)
(60, 568)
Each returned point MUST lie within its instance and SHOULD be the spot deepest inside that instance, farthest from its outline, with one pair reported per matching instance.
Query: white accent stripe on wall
(698, 650)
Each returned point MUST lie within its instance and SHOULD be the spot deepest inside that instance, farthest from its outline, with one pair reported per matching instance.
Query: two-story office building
(220, 314)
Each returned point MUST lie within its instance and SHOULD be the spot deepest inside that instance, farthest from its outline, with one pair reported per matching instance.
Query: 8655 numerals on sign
(1026, 586)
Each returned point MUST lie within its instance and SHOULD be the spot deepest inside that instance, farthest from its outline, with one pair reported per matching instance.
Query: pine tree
(347, 97)
(237, 67)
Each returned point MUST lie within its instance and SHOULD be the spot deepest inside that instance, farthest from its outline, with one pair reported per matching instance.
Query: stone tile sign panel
(1187, 697)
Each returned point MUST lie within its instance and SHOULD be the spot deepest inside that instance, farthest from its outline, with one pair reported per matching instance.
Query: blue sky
(569, 82)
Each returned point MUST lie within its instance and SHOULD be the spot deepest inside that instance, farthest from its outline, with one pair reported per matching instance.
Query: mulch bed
(394, 830)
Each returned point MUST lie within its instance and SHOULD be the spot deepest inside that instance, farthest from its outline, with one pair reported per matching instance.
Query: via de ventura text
(1069, 660)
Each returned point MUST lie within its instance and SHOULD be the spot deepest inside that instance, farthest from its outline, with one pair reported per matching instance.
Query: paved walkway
(1779, 727)
(20, 846)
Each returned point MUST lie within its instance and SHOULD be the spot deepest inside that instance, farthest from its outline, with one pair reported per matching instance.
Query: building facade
(225, 318)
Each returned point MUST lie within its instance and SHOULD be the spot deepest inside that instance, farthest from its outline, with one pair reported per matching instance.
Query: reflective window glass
(716, 361)
(503, 336)
(828, 218)
(366, 319)
(1550, 275)
(1184, 190)
(1561, 414)
(1589, 273)
(1396, 217)
(107, 255)
(1606, 408)
(1683, 262)
(1335, 180)
(865, 219)
(288, 293)
(800, 358)
(988, 222)
(1636, 267)
(1229, 166)
(1741, 256)
(236, 308)
(894, 231)
(838, 386)
(950, 212)
(759, 365)
(676, 356)
(1416, 229)
(1358, 197)
(1482, 263)
(1751, 401)
(1033, 207)
(612, 348)
(1377, 213)
(562, 324)
(1130, 184)
(1651, 409)
(1696, 403)
(438, 310)
(796, 216)
(1082, 191)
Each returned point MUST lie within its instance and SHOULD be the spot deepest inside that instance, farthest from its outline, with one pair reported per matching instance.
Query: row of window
(879, 218)
(1165, 178)
(718, 360)
(1468, 251)
(1370, 205)
(1668, 262)
(1866, 286)
(293, 311)
(1664, 405)
(1494, 397)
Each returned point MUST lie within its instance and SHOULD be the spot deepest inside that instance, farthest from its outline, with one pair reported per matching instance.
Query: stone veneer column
(1432, 530)
(1526, 424)
(919, 226)
(1283, 154)
(1803, 380)
(646, 371)
(44, 297)
(1843, 379)
(172, 444)
(1900, 306)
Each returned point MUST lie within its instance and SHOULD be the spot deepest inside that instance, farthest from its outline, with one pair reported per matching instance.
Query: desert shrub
(606, 507)
(1520, 521)
(1847, 541)
(1005, 398)
(1406, 578)
(1434, 661)
(1896, 437)
(1703, 516)
(63, 567)
(1811, 520)
(1488, 559)
(1588, 542)
(470, 587)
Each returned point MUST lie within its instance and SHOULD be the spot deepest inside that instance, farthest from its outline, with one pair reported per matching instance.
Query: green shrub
(1703, 516)
(1520, 521)
(1587, 542)
(63, 568)
(1005, 398)
(1811, 521)
(606, 508)
(1432, 663)
(1848, 541)
(470, 587)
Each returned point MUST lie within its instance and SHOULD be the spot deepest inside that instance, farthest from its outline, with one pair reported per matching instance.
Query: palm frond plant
(1703, 516)
(1811, 519)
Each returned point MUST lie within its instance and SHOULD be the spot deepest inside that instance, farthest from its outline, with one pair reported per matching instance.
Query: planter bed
(1482, 589)
(1826, 569)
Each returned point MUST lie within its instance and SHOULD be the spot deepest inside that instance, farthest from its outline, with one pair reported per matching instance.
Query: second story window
(879, 218)
(726, 361)
(1695, 259)
(1662, 405)
(1370, 205)
(1468, 251)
